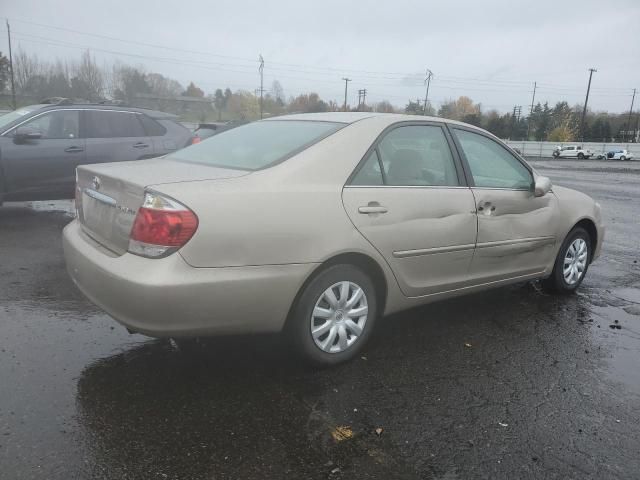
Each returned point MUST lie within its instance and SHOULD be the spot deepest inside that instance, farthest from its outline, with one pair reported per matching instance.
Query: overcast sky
(489, 50)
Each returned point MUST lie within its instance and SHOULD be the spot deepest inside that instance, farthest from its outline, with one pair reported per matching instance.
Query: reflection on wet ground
(511, 383)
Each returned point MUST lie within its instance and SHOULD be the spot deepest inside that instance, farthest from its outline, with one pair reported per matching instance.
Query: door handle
(74, 149)
(372, 209)
(486, 207)
(141, 145)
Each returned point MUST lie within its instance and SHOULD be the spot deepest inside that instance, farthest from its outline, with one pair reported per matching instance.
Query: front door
(44, 168)
(409, 200)
(516, 230)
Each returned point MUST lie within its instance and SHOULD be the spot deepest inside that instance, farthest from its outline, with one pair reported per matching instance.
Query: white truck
(571, 151)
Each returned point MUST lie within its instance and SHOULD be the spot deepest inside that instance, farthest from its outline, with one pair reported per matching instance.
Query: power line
(510, 86)
(330, 70)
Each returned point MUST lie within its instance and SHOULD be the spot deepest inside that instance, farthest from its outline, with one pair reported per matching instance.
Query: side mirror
(542, 186)
(24, 134)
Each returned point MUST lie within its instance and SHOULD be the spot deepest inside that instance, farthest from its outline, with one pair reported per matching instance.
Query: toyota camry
(319, 224)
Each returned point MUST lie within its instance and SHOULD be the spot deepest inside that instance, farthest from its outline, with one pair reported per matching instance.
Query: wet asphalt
(510, 383)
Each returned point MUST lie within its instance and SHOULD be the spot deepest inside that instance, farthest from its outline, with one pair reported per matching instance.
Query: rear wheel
(334, 316)
(571, 263)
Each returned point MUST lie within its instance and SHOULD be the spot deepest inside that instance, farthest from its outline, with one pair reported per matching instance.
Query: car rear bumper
(169, 298)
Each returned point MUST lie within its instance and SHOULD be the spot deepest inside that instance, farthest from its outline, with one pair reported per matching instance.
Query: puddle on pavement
(620, 331)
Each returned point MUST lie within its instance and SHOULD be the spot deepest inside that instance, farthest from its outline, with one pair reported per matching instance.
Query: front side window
(10, 117)
(109, 124)
(58, 124)
(492, 165)
(257, 145)
(412, 155)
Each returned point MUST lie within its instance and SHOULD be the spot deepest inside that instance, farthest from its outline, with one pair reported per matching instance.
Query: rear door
(115, 136)
(516, 230)
(44, 168)
(409, 200)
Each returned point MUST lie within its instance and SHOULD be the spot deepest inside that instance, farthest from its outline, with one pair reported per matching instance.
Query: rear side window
(151, 127)
(257, 145)
(370, 173)
(109, 124)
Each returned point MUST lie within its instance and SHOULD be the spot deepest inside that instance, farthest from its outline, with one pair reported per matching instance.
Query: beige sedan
(318, 224)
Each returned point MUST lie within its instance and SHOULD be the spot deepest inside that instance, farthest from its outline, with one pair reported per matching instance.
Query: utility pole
(533, 99)
(630, 113)
(427, 81)
(261, 69)
(516, 111)
(346, 82)
(13, 85)
(362, 96)
(584, 110)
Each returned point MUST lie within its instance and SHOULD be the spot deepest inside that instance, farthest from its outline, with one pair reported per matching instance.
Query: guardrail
(545, 149)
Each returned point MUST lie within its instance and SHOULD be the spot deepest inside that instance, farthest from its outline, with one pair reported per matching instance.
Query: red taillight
(166, 228)
(195, 140)
(161, 226)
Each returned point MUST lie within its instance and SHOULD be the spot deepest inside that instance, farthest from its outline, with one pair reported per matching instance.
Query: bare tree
(384, 107)
(277, 92)
(25, 67)
(89, 80)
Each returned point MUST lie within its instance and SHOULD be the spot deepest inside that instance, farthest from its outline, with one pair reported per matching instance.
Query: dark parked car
(41, 145)
(206, 130)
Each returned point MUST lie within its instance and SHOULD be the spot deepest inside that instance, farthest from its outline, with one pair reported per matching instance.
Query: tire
(581, 156)
(623, 158)
(557, 282)
(555, 154)
(337, 326)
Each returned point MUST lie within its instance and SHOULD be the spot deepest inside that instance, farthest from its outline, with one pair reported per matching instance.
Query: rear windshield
(257, 145)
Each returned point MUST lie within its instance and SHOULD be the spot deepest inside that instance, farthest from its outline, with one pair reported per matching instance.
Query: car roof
(352, 117)
(100, 106)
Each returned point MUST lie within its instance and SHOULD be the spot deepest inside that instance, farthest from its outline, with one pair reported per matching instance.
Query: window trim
(467, 167)
(460, 174)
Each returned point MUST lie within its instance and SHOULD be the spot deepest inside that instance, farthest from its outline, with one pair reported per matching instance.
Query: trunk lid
(108, 195)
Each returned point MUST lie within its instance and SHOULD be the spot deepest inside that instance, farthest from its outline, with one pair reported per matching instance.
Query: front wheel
(623, 158)
(334, 316)
(571, 263)
(581, 156)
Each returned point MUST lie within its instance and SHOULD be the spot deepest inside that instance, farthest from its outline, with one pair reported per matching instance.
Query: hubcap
(575, 261)
(339, 317)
